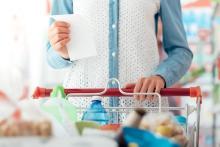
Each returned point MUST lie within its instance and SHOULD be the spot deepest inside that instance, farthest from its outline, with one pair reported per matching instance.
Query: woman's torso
(138, 53)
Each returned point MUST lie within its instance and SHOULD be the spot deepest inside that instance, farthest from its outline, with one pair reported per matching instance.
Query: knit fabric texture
(138, 52)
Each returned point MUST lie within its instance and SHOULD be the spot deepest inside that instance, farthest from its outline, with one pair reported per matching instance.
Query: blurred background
(23, 66)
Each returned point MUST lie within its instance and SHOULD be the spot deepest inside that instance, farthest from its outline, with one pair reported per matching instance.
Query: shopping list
(82, 43)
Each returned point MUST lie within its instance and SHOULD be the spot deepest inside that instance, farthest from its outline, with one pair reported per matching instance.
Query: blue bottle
(96, 112)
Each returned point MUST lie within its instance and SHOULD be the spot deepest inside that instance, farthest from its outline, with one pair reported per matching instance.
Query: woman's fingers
(158, 87)
(60, 24)
(151, 89)
(151, 84)
(58, 38)
(144, 88)
(58, 30)
(138, 87)
(61, 44)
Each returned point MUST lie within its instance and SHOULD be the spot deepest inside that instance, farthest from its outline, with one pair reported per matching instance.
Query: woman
(126, 42)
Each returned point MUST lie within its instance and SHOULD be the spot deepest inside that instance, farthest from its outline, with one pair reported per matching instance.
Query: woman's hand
(58, 36)
(152, 84)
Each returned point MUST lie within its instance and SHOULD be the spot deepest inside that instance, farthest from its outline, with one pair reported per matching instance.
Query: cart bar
(192, 92)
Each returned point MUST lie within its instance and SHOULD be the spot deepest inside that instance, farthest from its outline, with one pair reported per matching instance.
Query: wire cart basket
(193, 92)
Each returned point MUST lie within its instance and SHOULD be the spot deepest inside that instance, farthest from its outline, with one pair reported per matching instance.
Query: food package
(134, 118)
(96, 132)
(24, 120)
(27, 119)
(142, 138)
(12, 128)
(162, 124)
(111, 127)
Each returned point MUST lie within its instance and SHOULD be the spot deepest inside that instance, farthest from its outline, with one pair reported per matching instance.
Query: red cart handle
(115, 92)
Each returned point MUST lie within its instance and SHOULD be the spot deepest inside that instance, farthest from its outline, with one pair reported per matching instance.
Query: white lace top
(138, 53)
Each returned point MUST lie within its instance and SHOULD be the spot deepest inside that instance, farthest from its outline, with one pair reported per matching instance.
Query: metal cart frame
(193, 92)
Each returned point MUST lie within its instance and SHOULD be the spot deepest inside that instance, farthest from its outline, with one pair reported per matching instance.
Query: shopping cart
(193, 92)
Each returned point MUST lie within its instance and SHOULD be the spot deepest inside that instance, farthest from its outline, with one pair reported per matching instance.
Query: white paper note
(82, 43)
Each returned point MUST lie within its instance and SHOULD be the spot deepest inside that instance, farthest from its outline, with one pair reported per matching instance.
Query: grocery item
(216, 93)
(99, 133)
(181, 139)
(152, 120)
(144, 124)
(182, 121)
(162, 124)
(59, 107)
(134, 118)
(96, 112)
(143, 138)
(111, 127)
(176, 128)
(23, 119)
(81, 125)
(132, 144)
(11, 128)
(164, 131)
(93, 141)
(58, 92)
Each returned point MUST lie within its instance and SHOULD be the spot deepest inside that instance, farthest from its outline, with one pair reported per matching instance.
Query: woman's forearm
(55, 60)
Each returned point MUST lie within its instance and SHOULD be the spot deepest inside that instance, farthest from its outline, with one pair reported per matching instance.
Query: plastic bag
(61, 110)
(25, 120)
(62, 113)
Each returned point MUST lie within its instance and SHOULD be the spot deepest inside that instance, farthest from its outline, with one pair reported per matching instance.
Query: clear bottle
(96, 112)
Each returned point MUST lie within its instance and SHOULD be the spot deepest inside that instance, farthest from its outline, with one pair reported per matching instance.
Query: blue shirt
(174, 40)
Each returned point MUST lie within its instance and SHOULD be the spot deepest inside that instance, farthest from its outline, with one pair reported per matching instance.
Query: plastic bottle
(96, 112)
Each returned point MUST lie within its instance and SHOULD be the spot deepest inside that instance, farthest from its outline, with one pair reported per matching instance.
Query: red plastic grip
(195, 92)
(191, 92)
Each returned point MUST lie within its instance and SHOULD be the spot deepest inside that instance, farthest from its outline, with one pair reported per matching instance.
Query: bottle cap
(96, 98)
